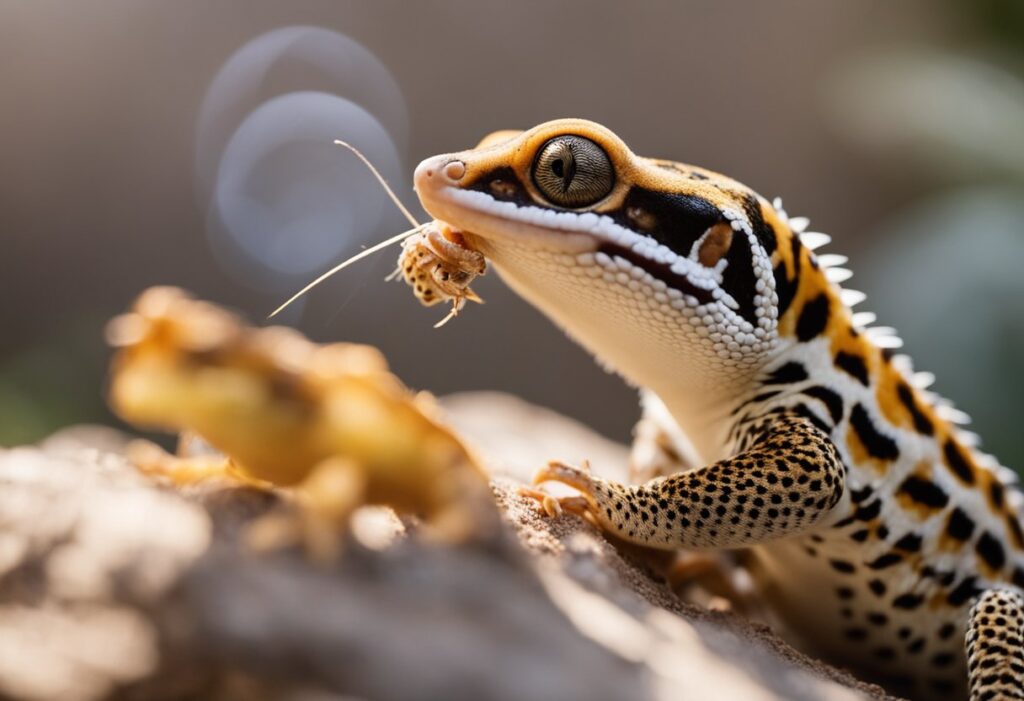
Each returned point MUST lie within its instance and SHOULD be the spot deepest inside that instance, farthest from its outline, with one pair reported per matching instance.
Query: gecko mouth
(494, 221)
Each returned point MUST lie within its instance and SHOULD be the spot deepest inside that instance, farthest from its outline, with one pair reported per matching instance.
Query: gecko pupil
(573, 172)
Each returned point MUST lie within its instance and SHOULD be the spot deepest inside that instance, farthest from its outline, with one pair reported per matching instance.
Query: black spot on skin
(1013, 524)
(883, 561)
(924, 492)
(995, 493)
(856, 633)
(908, 601)
(957, 462)
(832, 401)
(868, 511)
(964, 592)
(844, 593)
(844, 522)
(763, 231)
(765, 396)
(946, 631)
(785, 287)
(911, 543)
(853, 365)
(804, 411)
(877, 587)
(813, 318)
(787, 374)
(877, 619)
(859, 495)
(877, 444)
(922, 423)
(842, 566)
(885, 653)
(991, 551)
(959, 526)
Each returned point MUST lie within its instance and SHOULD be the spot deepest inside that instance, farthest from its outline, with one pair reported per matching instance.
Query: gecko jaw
(480, 216)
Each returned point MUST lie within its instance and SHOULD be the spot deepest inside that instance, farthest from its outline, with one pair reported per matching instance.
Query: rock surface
(113, 587)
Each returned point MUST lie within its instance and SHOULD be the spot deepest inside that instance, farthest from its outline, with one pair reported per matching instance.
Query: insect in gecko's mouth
(489, 224)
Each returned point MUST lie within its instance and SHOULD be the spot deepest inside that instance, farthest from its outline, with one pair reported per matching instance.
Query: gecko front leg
(786, 480)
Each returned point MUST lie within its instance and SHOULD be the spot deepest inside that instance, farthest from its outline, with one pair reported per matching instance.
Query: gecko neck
(699, 401)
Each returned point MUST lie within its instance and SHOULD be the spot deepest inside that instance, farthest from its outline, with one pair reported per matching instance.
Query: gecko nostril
(454, 170)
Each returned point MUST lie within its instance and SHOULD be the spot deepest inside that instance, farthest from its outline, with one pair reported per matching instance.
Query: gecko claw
(558, 471)
(552, 508)
(555, 506)
(576, 477)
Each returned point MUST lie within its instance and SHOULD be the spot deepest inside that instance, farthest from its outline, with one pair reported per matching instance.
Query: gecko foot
(576, 477)
(555, 506)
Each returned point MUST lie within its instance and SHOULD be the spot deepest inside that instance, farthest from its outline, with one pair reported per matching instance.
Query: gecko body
(776, 419)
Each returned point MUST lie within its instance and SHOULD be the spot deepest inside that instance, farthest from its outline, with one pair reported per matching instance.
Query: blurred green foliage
(53, 383)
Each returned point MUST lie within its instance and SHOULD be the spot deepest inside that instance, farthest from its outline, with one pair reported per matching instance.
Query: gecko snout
(438, 172)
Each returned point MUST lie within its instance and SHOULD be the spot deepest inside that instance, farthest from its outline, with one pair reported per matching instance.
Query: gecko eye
(573, 172)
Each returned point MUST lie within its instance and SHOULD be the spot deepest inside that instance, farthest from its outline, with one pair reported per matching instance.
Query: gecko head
(656, 267)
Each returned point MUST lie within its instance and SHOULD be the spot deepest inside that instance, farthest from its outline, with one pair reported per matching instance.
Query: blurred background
(187, 142)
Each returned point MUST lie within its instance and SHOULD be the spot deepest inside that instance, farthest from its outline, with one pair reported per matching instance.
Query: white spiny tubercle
(952, 414)
(884, 337)
(852, 298)
(838, 275)
(862, 320)
(799, 224)
(814, 239)
(889, 342)
(904, 363)
(969, 438)
(1004, 473)
(832, 260)
(923, 379)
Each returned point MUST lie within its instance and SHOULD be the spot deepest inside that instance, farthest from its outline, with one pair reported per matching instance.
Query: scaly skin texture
(874, 523)
(995, 646)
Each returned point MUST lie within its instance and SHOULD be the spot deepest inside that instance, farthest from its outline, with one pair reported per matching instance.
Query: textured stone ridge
(112, 587)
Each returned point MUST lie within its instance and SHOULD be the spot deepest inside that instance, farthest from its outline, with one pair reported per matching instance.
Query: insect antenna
(372, 249)
(380, 179)
(340, 266)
